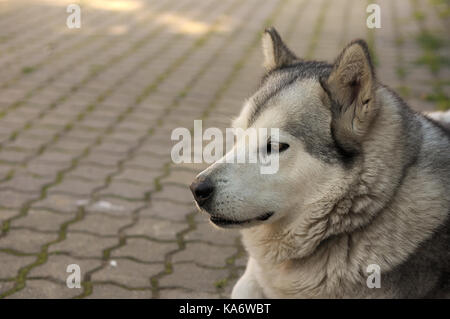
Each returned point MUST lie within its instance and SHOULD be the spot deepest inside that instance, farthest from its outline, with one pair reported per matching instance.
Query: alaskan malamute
(363, 184)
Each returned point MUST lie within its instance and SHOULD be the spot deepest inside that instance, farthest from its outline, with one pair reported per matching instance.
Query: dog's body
(363, 180)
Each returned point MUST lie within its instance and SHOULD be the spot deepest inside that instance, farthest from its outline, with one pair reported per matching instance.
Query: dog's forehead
(296, 81)
(294, 104)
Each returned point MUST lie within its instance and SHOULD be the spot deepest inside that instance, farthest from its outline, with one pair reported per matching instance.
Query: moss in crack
(317, 29)
(28, 69)
(404, 91)
(401, 72)
(168, 268)
(42, 257)
(220, 284)
(441, 99)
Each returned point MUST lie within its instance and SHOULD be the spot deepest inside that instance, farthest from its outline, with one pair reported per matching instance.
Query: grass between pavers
(23, 29)
(442, 7)
(20, 280)
(431, 43)
(317, 31)
(200, 42)
(91, 75)
(26, 206)
(91, 107)
(53, 57)
(400, 70)
(371, 43)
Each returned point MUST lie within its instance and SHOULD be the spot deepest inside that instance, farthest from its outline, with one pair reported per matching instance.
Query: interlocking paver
(84, 245)
(128, 273)
(167, 210)
(145, 250)
(206, 255)
(56, 267)
(26, 241)
(199, 279)
(10, 264)
(107, 291)
(205, 232)
(41, 220)
(86, 117)
(157, 228)
(38, 289)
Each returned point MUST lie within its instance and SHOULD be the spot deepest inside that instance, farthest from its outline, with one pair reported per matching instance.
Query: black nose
(202, 189)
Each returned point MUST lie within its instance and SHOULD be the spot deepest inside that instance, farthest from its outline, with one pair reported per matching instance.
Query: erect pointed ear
(351, 89)
(276, 53)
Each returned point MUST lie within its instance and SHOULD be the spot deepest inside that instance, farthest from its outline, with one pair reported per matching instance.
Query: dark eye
(274, 146)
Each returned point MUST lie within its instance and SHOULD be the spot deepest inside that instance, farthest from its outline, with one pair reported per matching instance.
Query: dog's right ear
(276, 53)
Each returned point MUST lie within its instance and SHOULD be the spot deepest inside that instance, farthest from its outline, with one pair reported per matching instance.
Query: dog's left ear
(276, 53)
(351, 90)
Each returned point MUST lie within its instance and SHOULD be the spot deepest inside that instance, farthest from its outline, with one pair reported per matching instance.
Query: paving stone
(42, 220)
(105, 291)
(204, 254)
(12, 263)
(83, 245)
(195, 278)
(26, 183)
(44, 289)
(56, 267)
(207, 232)
(145, 250)
(147, 161)
(114, 206)
(129, 273)
(176, 193)
(92, 172)
(167, 210)
(100, 225)
(5, 286)
(127, 190)
(138, 175)
(157, 228)
(77, 187)
(102, 158)
(26, 241)
(186, 294)
(12, 156)
(181, 177)
(59, 202)
(7, 213)
(45, 169)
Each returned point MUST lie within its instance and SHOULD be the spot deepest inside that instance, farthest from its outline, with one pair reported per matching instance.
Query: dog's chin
(233, 223)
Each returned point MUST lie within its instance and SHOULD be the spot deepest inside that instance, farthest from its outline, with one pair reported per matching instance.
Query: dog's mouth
(223, 222)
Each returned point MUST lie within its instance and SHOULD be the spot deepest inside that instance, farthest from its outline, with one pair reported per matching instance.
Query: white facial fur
(243, 193)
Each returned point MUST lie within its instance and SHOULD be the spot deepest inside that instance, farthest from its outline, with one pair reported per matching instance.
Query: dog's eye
(274, 146)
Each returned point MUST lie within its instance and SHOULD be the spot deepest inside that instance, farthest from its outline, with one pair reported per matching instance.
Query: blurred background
(86, 116)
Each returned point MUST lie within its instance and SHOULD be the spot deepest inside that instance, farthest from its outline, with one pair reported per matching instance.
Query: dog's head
(323, 112)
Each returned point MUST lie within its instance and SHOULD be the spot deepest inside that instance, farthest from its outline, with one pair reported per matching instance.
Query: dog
(363, 181)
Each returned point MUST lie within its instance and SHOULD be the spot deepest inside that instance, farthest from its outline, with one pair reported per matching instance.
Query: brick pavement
(86, 116)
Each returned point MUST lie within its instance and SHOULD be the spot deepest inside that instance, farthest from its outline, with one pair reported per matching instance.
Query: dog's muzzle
(202, 189)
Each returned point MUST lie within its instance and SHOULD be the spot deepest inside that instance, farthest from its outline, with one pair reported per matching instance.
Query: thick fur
(364, 181)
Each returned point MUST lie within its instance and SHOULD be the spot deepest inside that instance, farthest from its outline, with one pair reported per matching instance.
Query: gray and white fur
(363, 179)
